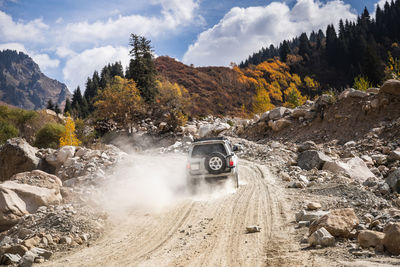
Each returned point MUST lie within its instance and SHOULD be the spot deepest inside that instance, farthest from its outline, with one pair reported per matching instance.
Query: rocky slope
(23, 85)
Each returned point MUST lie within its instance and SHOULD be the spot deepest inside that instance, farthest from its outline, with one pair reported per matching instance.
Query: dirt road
(203, 231)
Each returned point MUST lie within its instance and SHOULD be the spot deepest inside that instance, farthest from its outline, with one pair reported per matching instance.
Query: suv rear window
(204, 150)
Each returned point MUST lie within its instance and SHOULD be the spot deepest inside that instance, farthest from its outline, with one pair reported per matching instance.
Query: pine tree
(68, 106)
(50, 105)
(284, 51)
(142, 68)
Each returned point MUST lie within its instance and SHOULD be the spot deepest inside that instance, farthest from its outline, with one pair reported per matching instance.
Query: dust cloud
(143, 181)
(150, 182)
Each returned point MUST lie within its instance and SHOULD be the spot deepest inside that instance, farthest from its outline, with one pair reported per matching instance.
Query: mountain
(213, 90)
(22, 84)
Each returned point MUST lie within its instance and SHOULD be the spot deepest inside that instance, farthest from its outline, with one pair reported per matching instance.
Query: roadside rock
(16, 155)
(277, 113)
(39, 178)
(355, 168)
(314, 206)
(311, 159)
(12, 208)
(33, 196)
(310, 216)
(279, 125)
(65, 153)
(308, 145)
(368, 238)
(391, 87)
(394, 155)
(321, 237)
(356, 93)
(393, 180)
(392, 238)
(253, 229)
(339, 222)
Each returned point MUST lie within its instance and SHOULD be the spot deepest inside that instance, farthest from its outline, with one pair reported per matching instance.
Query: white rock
(65, 153)
(321, 237)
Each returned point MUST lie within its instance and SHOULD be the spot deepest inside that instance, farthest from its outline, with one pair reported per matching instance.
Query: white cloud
(243, 31)
(82, 65)
(381, 4)
(11, 31)
(175, 13)
(43, 60)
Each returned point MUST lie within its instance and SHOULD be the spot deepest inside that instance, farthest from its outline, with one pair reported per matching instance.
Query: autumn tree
(68, 137)
(172, 102)
(120, 101)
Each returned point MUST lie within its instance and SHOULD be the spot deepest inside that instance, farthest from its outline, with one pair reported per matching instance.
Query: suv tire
(215, 163)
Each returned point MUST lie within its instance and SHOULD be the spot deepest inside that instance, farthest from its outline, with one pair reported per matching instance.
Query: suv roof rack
(217, 138)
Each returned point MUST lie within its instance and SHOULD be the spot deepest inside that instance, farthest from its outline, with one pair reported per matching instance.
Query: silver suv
(212, 159)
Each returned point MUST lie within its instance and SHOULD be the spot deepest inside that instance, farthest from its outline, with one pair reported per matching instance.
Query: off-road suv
(212, 159)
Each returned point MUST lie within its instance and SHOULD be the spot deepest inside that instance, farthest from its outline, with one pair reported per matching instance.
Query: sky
(70, 39)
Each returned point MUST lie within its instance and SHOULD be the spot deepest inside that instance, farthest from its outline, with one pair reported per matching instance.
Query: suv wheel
(215, 163)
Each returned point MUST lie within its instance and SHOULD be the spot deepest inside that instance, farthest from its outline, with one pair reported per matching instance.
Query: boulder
(65, 153)
(372, 91)
(277, 113)
(391, 87)
(394, 155)
(264, 116)
(309, 216)
(38, 178)
(356, 93)
(355, 168)
(311, 159)
(368, 238)
(279, 125)
(12, 208)
(8, 259)
(16, 155)
(393, 180)
(299, 112)
(307, 145)
(321, 237)
(314, 206)
(391, 241)
(339, 222)
(190, 129)
(205, 130)
(33, 196)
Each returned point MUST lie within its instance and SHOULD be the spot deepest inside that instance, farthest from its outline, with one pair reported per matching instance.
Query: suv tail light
(188, 166)
(231, 163)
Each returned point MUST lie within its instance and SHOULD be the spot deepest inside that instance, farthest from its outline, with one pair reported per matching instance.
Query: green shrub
(49, 136)
(7, 131)
(361, 83)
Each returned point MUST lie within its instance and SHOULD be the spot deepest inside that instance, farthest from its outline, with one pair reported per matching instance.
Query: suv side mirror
(235, 148)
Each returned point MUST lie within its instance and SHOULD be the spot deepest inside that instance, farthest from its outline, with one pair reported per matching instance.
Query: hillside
(22, 84)
(213, 90)
(335, 56)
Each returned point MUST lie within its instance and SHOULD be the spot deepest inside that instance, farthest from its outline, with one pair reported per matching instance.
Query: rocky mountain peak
(22, 83)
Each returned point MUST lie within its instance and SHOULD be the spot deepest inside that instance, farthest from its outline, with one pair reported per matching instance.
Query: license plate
(195, 167)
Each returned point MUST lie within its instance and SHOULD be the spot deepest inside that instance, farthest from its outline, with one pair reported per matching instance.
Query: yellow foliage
(173, 101)
(68, 137)
(272, 80)
(119, 101)
(261, 102)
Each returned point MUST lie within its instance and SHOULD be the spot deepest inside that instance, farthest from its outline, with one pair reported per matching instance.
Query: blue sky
(70, 39)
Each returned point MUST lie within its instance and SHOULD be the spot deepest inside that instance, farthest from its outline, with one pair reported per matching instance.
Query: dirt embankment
(346, 119)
